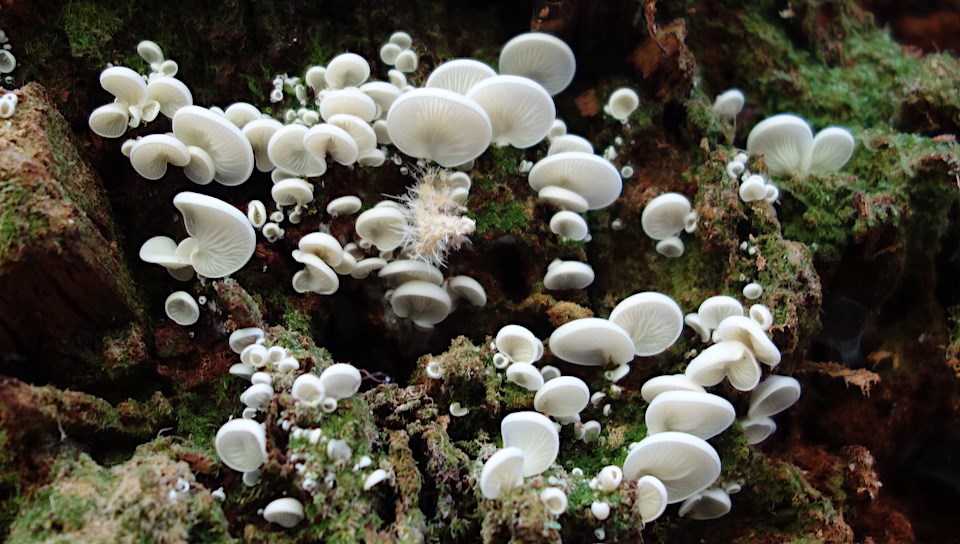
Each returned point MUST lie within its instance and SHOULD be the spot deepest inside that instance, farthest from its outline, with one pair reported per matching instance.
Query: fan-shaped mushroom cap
(201, 168)
(563, 396)
(519, 344)
(382, 226)
(125, 84)
(292, 191)
(344, 205)
(622, 103)
(358, 129)
(568, 275)
(286, 512)
(383, 95)
(730, 359)
(786, 143)
(257, 395)
(651, 498)
(421, 301)
(758, 430)
(407, 61)
(389, 53)
(671, 247)
(348, 101)
(695, 322)
(109, 120)
(502, 472)
(717, 308)
(569, 225)
(323, 139)
(404, 270)
(525, 375)
(316, 78)
(590, 176)
(459, 75)
(774, 395)
(182, 308)
(536, 436)
(665, 215)
(832, 148)
(439, 125)
(401, 39)
(467, 288)
(657, 385)
(364, 267)
(170, 93)
(592, 341)
(317, 277)
(322, 245)
(709, 504)
(341, 380)
(259, 132)
(541, 57)
(554, 499)
(745, 330)
(241, 113)
(762, 315)
(653, 321)
(242, 338)
(684, 463)
(569, 142)
(221, 139)
(564, 199)
(224, 239)
(151, 154)
(346, 70)
(162, 250)
(242, 444)
(286, 151)
(729, 103)
(150, 52)
(521, 112)
(701, 414)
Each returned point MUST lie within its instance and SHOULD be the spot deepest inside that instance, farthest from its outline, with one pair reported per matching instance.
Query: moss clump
(10, 497)
(90, 28)
(202, 410)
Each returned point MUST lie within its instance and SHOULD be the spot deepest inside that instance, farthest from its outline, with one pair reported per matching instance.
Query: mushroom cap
(729, 103)
(341, 380)
(201, 168)
(401, 39)
(758, 429)
(459, 75)
(170, 93)
(651, 498)
(786, 143)
(748, 331)
(242, 444)
(286, 150)
(323, 139)
(344, 205)
(364, 267)
(346, 70)
(358, 129)
(554, 499)
(182, 308)
(685, 464)
(8, 62)
(569, 225)
(439, 125)
(563, 396)
(657, 385)
(752, 189)
(404, 270)
(525, 375)
(407, 61)
(535, 435)
(592, 341)
(109, 120)
(762, 315)
(622, 103)
(521, 112)
(258, 132)
(468, 288)
(308, 389)
(241, 113)
(695, 322)
(541, 57)
(162, 250)
(709, 504)
(832, 148)
(728, 358)
(569, 142)
(125, 84)
(502, 472)
(519, 344)
(150, 52)
(242, 338)
(568, 275)
(349, 101)
(590, 176)
(421, 301)
(221, 139)
(653, 321)
(383, 94)
(389, 53)
(224, 238)
(151, 154)
(317, 277)
(382, 226)
(665, 215)
(292, 191)
(774, 395)
(671, 247)
(703, 415)
(322, 245)
(715, 309)
(316, 78)
(286, 512)
(564, 199)
(257, 395)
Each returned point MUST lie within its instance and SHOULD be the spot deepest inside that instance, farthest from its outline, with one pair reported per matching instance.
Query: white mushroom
(241, 338)
(563, 396)
(685, 464)
(521, 112)
(322, 245)
(348, 101)
(382, 226)
(519, 344)
(327, 139)
(182, 308)
(653, 387)
(554, 499)
(568, 275)
(459, 75)
(725, 359)
(525, 375)
(536, 436)
(717, 308)
(700, 414)
(341, 380)
(774, 395)
(541, 57)
(757, 430)
(439, 125)
(665, 216)
(653, 321)
(170, 93)
(317, 277)
(308, 390)
(286, 512)
(708, 504)
(651, 498)
(592, 342)
(242, 444)
(344, 205)
(230, 151)
(502, 472)
(569, 142)
(151, 154)
(423, 302)
(745, 330)
(569, 225)
(259, 132)
(346, 70)
(223, 237)
(729, 103)
(623, 102)
(590, 176)
(286, 151)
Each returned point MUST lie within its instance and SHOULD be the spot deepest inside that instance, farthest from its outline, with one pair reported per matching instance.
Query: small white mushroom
(600, 510)
(257, 395)
(182, 308)
(341, 380)
(592, 342)
(762, 315)
(536, 436)
(242, 445)
(665, 216)
(554, 499)
(729, 103)
(653, 321)
(708, 504)
(286, 512)
(569, 225)
(685, 464)
(563, 396)
(374, 478)
(653, 387)
(519, 344)
(308, 390)
(703, 415)
(541, 57)
(609, 478)
(344, 205)
(568, 275)
(502, 472)
(774, 395)
(623, 102)
(752, 291)
(525, 375)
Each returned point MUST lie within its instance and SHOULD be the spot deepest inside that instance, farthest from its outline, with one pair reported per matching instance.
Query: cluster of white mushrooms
(242, 443)
(8, 62)
(398, 52)
(664, 218)
(789, 147)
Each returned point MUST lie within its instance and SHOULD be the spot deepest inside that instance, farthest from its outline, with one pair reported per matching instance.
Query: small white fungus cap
(653, 321)
(109, 120)
(745, 330)
(758, 429)
(404, 270)
(224, 238)
(703, 415)
(286, 512)
(569, 142)
(651, 498)
(832, 149)
(729, 103)
(459, 75)
(344, 205)
(383, 95)
(653, 387)
(564, 396)
(382, 226)
(541, 57)
(465, 287)
(421, 301)
(341, 380)
(286, 150)
(592, 341)
(525, 375)
(346, 70)
(569, 225)
(519, 344)
(150, 52)
(568, 275)
(786, 143)
(322, 245)
(257, 395)
(554, 499)
(665, 216)
(292, 191)
(502, 472)
(439, 125)
(590, 176)
(258, 132)
(241, 338)
(350, 101)
(230, 151)
(709, 504)
(521, 112)
(725, 359)
(317, 277)
(536, 436)
(308, 390)
(125, 84)
(241, 113)
(170, 93)
(717, 308)
(622, 103)
(774, 395)
(242, 444)
(151, 154)
(182, 308)
(685, 464)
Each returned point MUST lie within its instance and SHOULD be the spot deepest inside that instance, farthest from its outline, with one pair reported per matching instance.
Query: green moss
(200, 412)
(10, 497)
(90, 28)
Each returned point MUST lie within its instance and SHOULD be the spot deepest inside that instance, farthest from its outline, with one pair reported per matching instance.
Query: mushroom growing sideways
(439, 125)
(789, 147)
